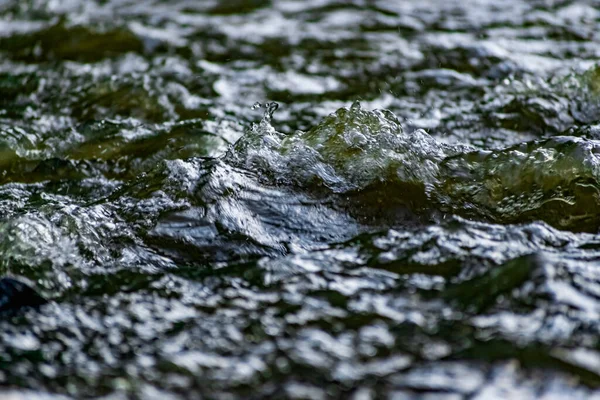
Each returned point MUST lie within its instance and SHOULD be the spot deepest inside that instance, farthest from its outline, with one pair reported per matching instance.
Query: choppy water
(419, 216)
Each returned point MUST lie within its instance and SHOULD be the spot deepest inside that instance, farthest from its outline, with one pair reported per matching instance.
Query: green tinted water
(418, 216)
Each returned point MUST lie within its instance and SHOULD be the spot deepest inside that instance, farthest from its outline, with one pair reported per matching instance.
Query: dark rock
(15, 295)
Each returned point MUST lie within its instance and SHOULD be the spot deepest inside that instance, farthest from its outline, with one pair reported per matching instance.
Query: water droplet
(271, 108)
(355, 106)
(256, 105)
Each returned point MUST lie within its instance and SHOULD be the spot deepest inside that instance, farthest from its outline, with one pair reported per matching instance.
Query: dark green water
(418, 217)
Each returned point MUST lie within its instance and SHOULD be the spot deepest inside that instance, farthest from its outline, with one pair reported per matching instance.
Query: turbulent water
(300, 199)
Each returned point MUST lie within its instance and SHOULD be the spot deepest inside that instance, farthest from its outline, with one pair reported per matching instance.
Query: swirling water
(418, 214)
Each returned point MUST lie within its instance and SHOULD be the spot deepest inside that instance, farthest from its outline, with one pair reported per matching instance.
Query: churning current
(305, 199)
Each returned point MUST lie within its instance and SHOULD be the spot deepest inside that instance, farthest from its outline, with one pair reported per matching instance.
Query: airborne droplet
(270, 110)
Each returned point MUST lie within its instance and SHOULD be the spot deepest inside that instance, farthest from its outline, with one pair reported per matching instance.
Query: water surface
(300, 199)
